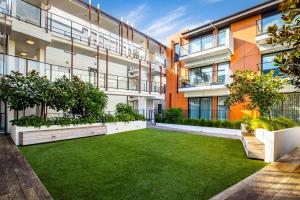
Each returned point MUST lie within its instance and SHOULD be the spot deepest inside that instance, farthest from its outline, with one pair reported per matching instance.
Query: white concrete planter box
(118, 127)
(32, 135)
(216, 131)
(278, 143)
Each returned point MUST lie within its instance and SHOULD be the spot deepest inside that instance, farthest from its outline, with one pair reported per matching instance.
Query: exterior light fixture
(30, 42)
(23, 54)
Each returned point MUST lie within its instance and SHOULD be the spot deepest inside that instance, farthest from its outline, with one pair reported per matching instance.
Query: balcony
(30, 20)
(111, 84)
(208, 50)
(262, 35)
(212, 83)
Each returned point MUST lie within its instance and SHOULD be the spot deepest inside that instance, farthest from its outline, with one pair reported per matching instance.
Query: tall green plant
(260, 92)
(16, 91)
(288, 36)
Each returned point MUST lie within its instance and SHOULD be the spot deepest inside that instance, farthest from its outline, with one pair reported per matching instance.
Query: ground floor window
(222, 109)
(289, 108)
(200, 108)
(269, 65)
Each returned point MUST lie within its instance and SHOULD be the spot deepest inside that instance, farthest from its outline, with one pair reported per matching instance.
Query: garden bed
(44, 134)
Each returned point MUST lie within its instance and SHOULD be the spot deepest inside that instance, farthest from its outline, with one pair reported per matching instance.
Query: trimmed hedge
(60, 121)
(201, 122)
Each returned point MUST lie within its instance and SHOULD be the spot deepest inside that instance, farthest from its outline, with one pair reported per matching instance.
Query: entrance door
(2, 118)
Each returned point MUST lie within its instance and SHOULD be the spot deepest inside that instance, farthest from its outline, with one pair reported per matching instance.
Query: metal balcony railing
(45, 19)
(52, 72)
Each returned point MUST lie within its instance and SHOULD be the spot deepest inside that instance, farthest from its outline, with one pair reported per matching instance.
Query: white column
(10, 66)
(142, 105)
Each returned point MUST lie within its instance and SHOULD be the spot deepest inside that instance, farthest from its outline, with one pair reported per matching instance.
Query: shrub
(60, 121)
(271, 125)
(173, 115)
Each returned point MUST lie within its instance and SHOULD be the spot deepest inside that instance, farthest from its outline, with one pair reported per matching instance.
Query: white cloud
(173, 22)
(212, 1)
(137, 14)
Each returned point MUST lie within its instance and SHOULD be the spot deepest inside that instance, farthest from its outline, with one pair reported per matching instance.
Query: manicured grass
(144, 164)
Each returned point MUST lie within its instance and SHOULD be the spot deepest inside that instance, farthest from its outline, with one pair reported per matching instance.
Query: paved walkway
(192, 132)
(17, 179)
(278, 181)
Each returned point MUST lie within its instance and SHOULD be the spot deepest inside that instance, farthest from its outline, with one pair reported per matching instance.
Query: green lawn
(144, 164)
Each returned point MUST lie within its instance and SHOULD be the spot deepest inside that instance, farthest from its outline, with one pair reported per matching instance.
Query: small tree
(96, 101)
(261, 92)
(16, 92)
(288, 35)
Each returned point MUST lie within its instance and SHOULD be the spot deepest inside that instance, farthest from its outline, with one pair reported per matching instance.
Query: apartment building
(204, 58)
(58, 38)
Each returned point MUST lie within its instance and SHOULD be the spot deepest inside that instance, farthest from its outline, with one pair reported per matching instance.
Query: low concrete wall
(278, 143)
(118, 127)
(217, 131)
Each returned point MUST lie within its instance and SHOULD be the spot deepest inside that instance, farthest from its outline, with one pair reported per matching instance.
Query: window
(222, 113)
(200, 108)
(195, 45)
(92, 76)
(176, 52)
(207, 42)
(222, 38)
(200, 75)
(269, 65)
(270, 21)
(222, 72)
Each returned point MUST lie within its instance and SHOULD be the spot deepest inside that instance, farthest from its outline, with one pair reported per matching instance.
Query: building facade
(58, 38)
(203, 60)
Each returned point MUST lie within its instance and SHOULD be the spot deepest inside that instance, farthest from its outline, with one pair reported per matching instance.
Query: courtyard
(142, 164)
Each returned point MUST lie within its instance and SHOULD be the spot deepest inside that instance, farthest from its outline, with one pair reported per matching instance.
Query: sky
(162, 18)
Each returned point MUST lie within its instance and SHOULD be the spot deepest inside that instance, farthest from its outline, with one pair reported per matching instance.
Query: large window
(222, 113)
(200, 108)
(269, 65)
(222, 72)
(270, 21)
(201, 75)
(222, 38)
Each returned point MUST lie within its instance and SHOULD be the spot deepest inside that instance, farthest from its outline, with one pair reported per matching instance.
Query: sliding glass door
(200, 108)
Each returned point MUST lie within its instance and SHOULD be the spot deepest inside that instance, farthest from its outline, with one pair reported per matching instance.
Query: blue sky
(161, 18)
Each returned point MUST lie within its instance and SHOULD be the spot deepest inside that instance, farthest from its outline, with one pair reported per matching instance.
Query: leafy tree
(63, 97)
(16, 91)
(261, 92)
(96, 101)
(40, 89)
(289, 36)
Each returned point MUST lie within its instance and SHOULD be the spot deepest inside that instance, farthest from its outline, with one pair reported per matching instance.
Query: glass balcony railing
(206, 43)
(79, 32)
(204, 79)
(52, 72)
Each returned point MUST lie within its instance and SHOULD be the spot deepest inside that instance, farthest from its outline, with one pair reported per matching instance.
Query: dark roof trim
(233, 17)
(85, 4)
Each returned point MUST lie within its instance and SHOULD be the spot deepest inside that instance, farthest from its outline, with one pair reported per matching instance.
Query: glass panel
(222, 69)
(3, 6)
(195, 46)
(92, 76)
(27, 12)
(270, 21)
(177, 52)
(222, 108)
(221, 38)
(268, 65)
(207, 42)
(2, 117)
(194, 108)
(205, 108)
(206, 73)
